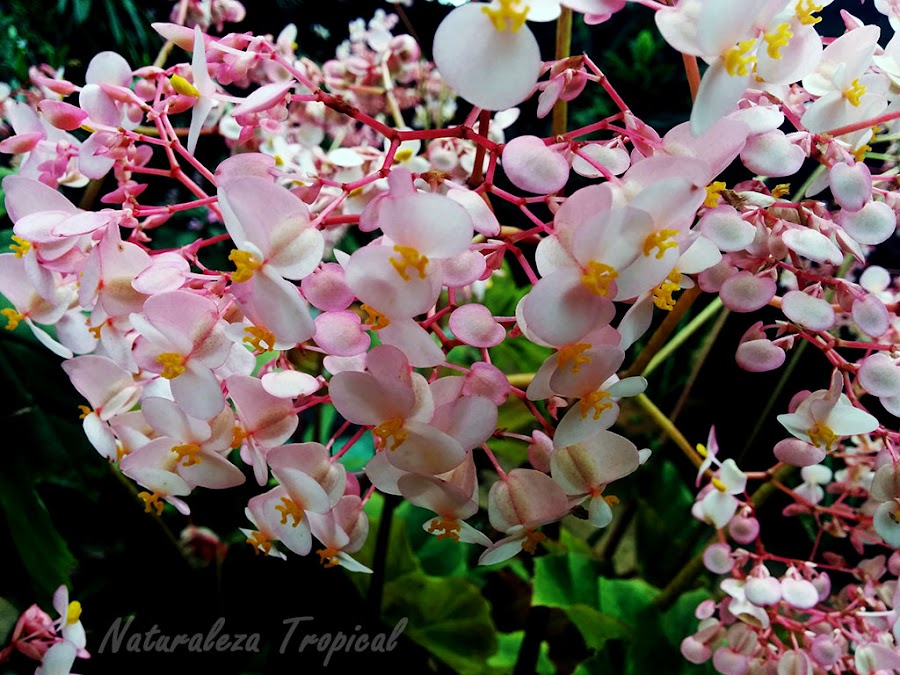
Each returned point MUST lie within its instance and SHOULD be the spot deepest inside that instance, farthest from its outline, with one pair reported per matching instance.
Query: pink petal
(759, 356)
(528, 498)
(491, 69)
(873, 224)
(474, 325)
(340, 333)
(810, 312)
(532, 166)
(745, 292)
(871, 316)
(851, 186)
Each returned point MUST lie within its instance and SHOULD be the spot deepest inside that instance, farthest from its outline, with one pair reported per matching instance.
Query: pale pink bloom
(167, 419)
(399, 406)
(108, 273)
(308, 469)
(266, 421)
(724, 35)
(466, 416)
(453, 496)
(277, 517)
(585, 470)
(580, 270)
(518, 504)
(28, 304)
(886, 489)
(183, 340)
(487, 55)
(826, 415)
(110, 390)
(106, 72)
(270, 227)
(343, 530)
(841, 84)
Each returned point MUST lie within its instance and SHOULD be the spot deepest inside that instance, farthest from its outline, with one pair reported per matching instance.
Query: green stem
(682, 335)
(699, 360)
(563, 47)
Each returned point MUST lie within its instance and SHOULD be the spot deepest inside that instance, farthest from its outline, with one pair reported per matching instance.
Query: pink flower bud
(743, 529)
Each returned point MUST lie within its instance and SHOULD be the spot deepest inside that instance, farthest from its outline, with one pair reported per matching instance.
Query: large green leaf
(41, 549)
(447, 616)
(508, 647)
(570, 582)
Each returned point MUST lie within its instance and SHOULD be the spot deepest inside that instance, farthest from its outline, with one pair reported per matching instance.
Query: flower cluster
(363, 236)
(55, 643)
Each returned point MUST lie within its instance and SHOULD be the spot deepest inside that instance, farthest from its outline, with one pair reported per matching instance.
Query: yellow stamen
(662, 295)
(238, 436)
(259, 541)
(612, 500)
(375, 319)
(777, 40)
(713, 194)
(805, 9)
(328, 557)
(573, 354)
(189, 452)
(598, 277)
(409, 257)
(151, 499)
(445, 528)
(20, 247)
(701, 450)
(73, 612)
(507, 16)
(289, 508)
(821, 436)
(737, 63)
(719, 485)
(532, 539)
(860, 153)
(13, 317)
(661, 240)
(595, 401)
(854, 93)
(257, 336)
(403, 155)
(95, 330)
(781, 190)
(120, 451)
(245, 263)
(390, 429)
(172, 363)
(183, 87)
(85, 411)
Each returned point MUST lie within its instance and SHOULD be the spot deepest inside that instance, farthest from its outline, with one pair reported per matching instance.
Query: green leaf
(570, 582)
(679, 621)
(41, 549)
(596, 628)
(565, 580)
(8, 617)
(508, 647)
(447, 616)
(626, 599)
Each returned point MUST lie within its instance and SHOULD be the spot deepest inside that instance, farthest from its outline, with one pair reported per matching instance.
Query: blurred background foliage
(613, 601)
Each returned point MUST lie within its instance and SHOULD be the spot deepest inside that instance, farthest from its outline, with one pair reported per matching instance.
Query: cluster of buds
(182, 363)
